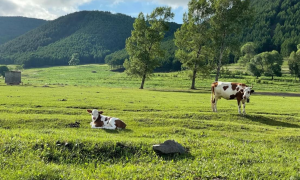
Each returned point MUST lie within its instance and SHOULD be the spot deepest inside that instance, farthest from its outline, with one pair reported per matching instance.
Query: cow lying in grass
(105, 122)
(229, 90)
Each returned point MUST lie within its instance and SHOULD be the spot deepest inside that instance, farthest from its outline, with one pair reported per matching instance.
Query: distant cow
(105, 122)
(230, 90)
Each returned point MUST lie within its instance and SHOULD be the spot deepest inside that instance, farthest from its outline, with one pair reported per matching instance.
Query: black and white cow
(229, 90)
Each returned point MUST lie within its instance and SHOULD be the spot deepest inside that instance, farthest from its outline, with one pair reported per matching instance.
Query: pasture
(39, 138)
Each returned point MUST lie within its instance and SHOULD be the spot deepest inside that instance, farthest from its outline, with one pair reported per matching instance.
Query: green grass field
(37, 140)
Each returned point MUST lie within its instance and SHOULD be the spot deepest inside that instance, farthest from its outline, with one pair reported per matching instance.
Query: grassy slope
(34, 129)
(83, 76)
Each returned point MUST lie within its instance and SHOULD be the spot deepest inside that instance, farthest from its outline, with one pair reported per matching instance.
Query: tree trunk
(143, 81)
(193, 79)
(272, 77)
(195, 70)
(219, 65)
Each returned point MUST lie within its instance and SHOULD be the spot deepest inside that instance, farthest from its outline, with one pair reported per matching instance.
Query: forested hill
(95, 34)
(91, 34)
(12, 27)
(276, 26)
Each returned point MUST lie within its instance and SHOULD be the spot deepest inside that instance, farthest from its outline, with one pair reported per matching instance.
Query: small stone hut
(13, 77)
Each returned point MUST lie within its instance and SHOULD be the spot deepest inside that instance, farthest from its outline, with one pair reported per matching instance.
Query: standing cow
(230, 90)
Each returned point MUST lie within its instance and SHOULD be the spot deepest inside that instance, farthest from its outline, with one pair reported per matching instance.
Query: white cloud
(52, 9)
(173, 3)
(116, 2)
(43, 9)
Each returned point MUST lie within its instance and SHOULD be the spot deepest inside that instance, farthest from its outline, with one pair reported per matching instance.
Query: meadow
(39, 137)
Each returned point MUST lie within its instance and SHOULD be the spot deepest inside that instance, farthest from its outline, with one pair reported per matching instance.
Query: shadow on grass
(116, 131)
(193, 91)
(270, 122)
(175, 156)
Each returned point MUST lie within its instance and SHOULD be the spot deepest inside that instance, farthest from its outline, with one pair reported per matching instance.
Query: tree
(294, 63)
(229, 19)
(272, 63)
(3, 69)
(248, 51)
(266, 63)
(288, 46)
(255, 66)
(144, 45)
(192, 37)
(74, 60)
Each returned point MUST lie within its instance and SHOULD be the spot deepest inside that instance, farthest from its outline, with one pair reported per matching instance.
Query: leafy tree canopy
(74, 59)
(3, 69)
(144, 45)
(267, 63)
(294, 62)
(192, 37)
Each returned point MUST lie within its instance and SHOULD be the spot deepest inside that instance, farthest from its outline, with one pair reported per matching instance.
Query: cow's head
(247, 91)
(95, 113)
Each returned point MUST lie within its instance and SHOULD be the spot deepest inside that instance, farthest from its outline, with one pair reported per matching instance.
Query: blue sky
(52, 9)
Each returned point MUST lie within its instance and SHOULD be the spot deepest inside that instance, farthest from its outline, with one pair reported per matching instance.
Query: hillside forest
(12, 27)
(99, 37)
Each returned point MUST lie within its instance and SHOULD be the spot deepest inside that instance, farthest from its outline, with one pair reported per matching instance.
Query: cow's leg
(111, 124)
(110, 127)
(244, 105)
(215, 104)
(239, 106)
(93, 126)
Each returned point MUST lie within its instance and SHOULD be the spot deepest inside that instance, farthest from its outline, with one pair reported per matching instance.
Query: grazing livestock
(105, 122)
(230, 90)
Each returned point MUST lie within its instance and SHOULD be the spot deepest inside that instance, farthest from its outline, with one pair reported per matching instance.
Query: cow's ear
(252, 91)
(89, 111)
(100, 112)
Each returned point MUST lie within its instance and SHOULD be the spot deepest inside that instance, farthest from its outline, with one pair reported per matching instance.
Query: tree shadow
(192, 91)
(270, 122)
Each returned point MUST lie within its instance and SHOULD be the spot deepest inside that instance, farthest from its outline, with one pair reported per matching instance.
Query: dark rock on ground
(169, 147)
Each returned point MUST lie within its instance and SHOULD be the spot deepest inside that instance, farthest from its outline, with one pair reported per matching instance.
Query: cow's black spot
(232, 96)
(225, 87)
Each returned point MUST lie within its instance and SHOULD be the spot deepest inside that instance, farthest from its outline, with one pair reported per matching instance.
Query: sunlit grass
(37, 141)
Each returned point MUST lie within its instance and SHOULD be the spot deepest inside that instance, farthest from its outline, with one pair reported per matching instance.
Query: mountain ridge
(14, 26)
(92, 34)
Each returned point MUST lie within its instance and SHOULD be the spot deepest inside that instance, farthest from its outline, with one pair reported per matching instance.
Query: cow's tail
(213, 100)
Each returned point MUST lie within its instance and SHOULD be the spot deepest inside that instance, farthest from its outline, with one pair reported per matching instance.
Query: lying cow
(105, 122)
(229, 90)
